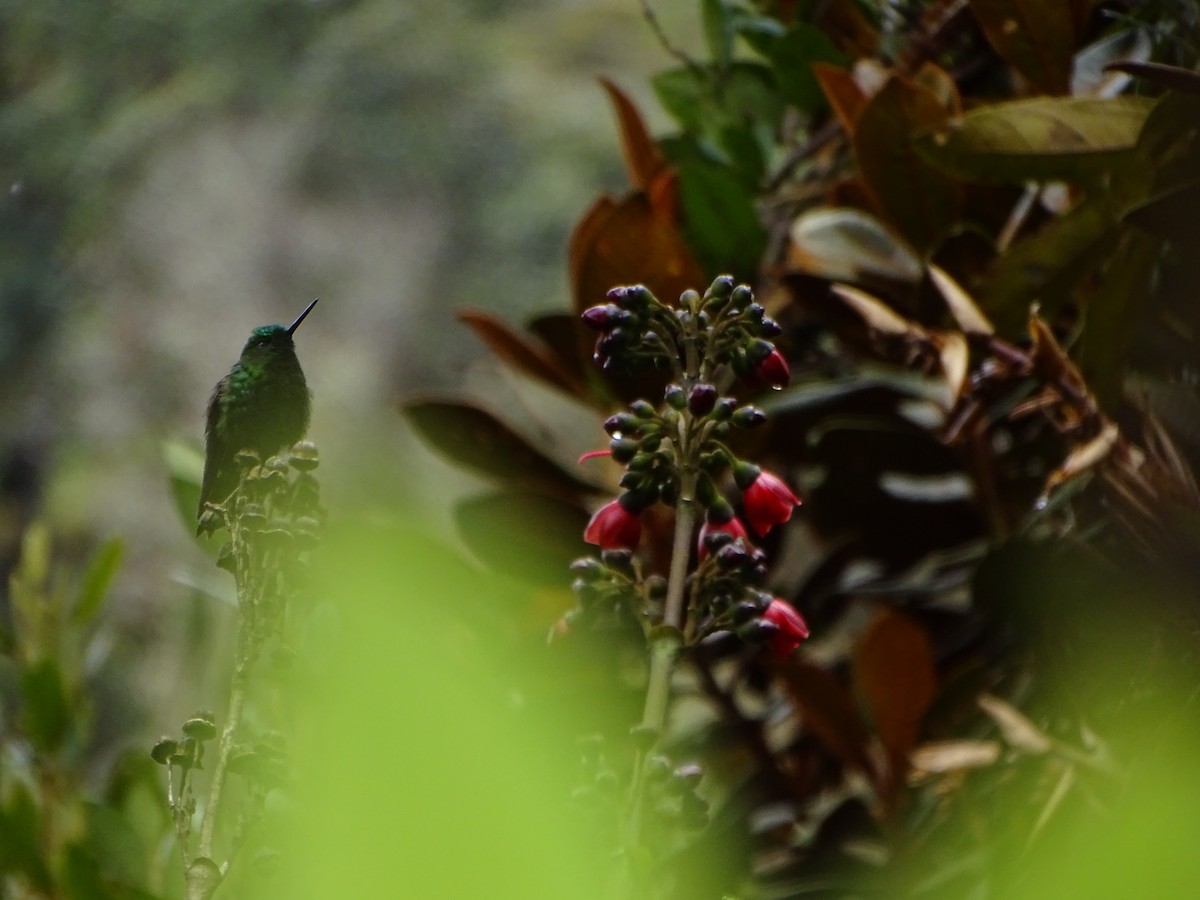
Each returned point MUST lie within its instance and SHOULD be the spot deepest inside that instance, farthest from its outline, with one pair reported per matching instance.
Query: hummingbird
(263, 405)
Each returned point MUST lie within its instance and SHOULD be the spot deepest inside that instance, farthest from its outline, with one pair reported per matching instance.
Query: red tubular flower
(774, 370)
(614, 527)
(734, 527)
(792, 628)
(769, 502)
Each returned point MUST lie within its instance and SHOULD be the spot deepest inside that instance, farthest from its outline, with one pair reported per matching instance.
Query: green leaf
(47, 709)
(792, 58)
(720, 220)
(1044, 139)
(185, 468)
(718, 30)
(96, 581)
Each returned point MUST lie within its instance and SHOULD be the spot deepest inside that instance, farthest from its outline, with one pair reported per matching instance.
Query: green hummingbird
(263, 405)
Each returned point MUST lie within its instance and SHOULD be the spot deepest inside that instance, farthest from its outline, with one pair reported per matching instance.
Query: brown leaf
(849, 245)
(518, 352)
(643, 160)
(1082, 458)
(476, 439)
(1173, 77)
(829, 711)
(845, 97)
(629, 242)
(1036, 38)
(919, 200)
(954, 355)
(894, 673)
(1017, 730)
(941, 84)
(850, 30)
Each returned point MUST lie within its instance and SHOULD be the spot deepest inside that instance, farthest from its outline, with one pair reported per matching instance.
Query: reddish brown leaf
(850, 30)
(643, 160)
(894, 674)
(476, 439)
(518, 352)
(829, 710)
(1036, 38)
(845, 97)
(629, 242)
(917, 199)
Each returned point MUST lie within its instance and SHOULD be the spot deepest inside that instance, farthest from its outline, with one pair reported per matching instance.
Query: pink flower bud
(773, 370)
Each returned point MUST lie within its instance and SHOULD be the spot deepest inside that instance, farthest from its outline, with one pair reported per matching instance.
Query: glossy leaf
(848, 245)
(523, 355)
(474, 438)
(643, 161)
(893, 672)
(920, 201)
(1034, 37)
(1044, 139)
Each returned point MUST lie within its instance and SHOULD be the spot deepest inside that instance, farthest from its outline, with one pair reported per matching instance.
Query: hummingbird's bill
(300, 318)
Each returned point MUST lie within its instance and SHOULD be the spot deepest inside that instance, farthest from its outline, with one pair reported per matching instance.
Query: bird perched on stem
(262, 405)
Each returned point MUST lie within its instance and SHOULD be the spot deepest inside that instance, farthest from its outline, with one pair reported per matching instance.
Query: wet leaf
(474, 438)
(1034, 37)
(920, 201)
(97, 580)
(1073, 139)
(965, 311)
(893, 672)
(523, 355)
(848, 244)
(629, 242)
(643, 161)
(1016, 729)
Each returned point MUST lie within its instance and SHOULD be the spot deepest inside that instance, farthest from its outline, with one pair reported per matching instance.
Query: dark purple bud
(769, 328)
(758, 350)
(634, 297)
(595, 317)
(755, 312)
(742, 295)
(701, 399)
(731, 556)
(621, 423)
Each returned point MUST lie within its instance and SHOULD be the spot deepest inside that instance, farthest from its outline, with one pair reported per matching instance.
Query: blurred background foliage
(999, 556)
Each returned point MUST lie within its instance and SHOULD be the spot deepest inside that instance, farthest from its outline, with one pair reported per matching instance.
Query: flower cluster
(675, 453)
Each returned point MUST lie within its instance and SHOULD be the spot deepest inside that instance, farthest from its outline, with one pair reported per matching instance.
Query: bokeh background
(177, 174)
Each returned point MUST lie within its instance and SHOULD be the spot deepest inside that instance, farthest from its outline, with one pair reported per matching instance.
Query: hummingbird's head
(270, 340)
